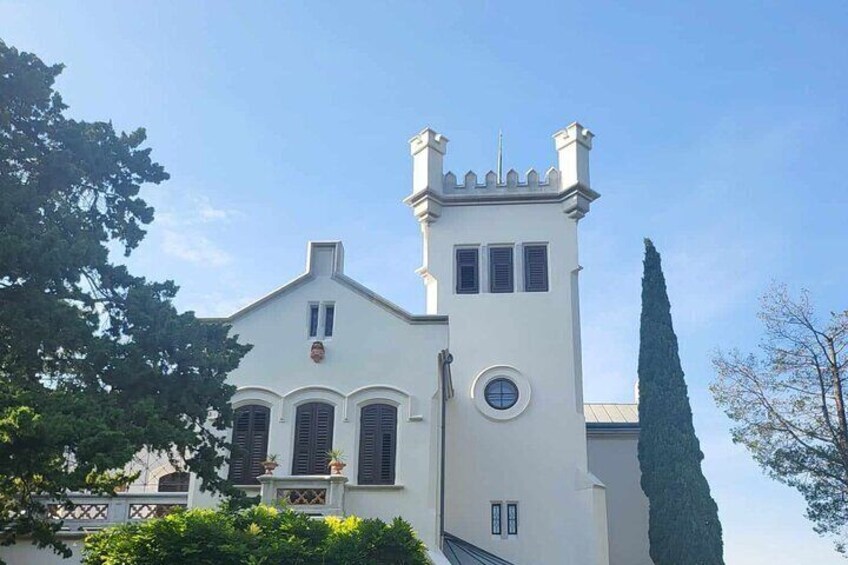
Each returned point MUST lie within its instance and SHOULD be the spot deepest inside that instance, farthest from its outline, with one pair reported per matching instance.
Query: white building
(469, 421)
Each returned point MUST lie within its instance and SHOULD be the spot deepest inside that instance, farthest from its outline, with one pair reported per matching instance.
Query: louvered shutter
(377, 445)
(535, 268)
(467, 271)
(500, 269)
(313, 438)
(250, 444)
(323, 438)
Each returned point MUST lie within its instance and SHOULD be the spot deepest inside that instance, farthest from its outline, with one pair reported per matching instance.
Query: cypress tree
(684, 527)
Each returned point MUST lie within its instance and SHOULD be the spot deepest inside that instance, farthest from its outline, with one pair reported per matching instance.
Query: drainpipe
(446, 385)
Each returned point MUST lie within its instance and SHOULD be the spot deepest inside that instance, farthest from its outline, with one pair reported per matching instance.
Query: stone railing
(319, 495)
(96, 511)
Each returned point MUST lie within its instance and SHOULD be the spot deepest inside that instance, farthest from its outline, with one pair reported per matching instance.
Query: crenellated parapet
(567, 183)
(488, 184)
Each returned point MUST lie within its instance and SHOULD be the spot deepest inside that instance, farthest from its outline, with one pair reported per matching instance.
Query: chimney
(325, 258)
(573, 145)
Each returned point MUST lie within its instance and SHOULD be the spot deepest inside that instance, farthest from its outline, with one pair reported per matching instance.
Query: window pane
(512, 519)
(329, 314)
(501, 394)
(535, 268)
(496, 519)
(500, 269)
(313, 320)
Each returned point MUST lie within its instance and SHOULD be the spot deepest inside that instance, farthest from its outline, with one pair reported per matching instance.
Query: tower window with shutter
(536, 268)
(313, 438)
(501, 274)
(377, 444)
(467, 271)
(250, 443)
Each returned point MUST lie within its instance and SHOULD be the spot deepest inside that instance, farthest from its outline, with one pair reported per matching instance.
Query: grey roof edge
(344, 280)
(602, 428)
(504, 197)
(386, 304)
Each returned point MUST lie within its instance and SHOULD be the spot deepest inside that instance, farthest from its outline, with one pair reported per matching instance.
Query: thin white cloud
(194, 248)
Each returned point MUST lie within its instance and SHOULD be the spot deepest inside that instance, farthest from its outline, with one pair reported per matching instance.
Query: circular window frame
(482, 380)
(506, 405)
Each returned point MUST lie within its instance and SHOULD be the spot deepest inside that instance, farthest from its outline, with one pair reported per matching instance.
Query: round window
(501, 393)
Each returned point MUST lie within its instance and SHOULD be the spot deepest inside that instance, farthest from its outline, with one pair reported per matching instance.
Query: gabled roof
(460, 552)
(317, 265)
(611, 416)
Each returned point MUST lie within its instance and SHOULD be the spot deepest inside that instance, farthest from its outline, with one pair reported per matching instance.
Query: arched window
(313, 438)
(377, 444)
(173, 482)
(250, 443)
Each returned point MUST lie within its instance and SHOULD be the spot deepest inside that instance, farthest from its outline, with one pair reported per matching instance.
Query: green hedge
(259, 535)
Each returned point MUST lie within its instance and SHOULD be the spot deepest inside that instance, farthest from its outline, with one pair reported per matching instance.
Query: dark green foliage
(95, 364)
(684, 526)
(261, 534)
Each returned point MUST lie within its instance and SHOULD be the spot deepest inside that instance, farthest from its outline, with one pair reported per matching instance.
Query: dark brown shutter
(535, 268)
(377, 444)
(467, 271)
(500, 269)
(173, 482)
(250, 443)
(313, 438)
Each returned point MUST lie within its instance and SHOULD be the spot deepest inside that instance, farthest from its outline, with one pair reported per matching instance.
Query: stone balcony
(93, 512)
(316, 495)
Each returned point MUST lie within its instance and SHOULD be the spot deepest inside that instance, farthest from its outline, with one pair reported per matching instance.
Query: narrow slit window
(329, 315)
(313, 320)
(501, 275)
(467, 271)
(536, 268)
(512, 519)
(496, 518)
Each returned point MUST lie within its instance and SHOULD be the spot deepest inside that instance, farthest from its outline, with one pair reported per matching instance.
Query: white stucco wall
(374, 355)
(537, 458)
(613, 459)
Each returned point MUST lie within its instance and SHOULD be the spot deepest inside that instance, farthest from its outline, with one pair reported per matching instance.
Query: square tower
(500, 259)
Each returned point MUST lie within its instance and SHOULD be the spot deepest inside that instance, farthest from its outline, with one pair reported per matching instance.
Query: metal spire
(500, 157)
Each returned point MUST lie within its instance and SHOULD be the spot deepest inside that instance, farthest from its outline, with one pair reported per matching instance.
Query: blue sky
(720, 134)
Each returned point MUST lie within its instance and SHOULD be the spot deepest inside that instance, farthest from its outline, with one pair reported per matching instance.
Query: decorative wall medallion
(316, 353)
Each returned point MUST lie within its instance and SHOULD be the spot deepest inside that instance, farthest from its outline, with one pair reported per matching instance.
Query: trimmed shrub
(259, 535)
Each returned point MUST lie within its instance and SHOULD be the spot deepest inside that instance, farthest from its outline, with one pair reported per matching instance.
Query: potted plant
(336, 461)
(270, 464)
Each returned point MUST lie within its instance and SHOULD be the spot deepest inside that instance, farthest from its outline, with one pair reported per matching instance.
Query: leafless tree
(788, 404)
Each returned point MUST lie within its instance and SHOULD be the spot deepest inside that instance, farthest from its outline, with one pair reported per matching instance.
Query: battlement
(513, 184)
(567, 183)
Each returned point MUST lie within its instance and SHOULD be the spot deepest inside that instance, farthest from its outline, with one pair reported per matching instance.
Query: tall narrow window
(536, 268)
(512, 519)
(467, 271)
(377, 444)
(496, 518)
(250, 442)
(500, 269)
(313, 320)
(313, 438)
(329, 314)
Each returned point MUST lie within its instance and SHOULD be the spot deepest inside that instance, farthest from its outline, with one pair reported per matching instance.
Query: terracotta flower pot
(336, 467)
(269, 467)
